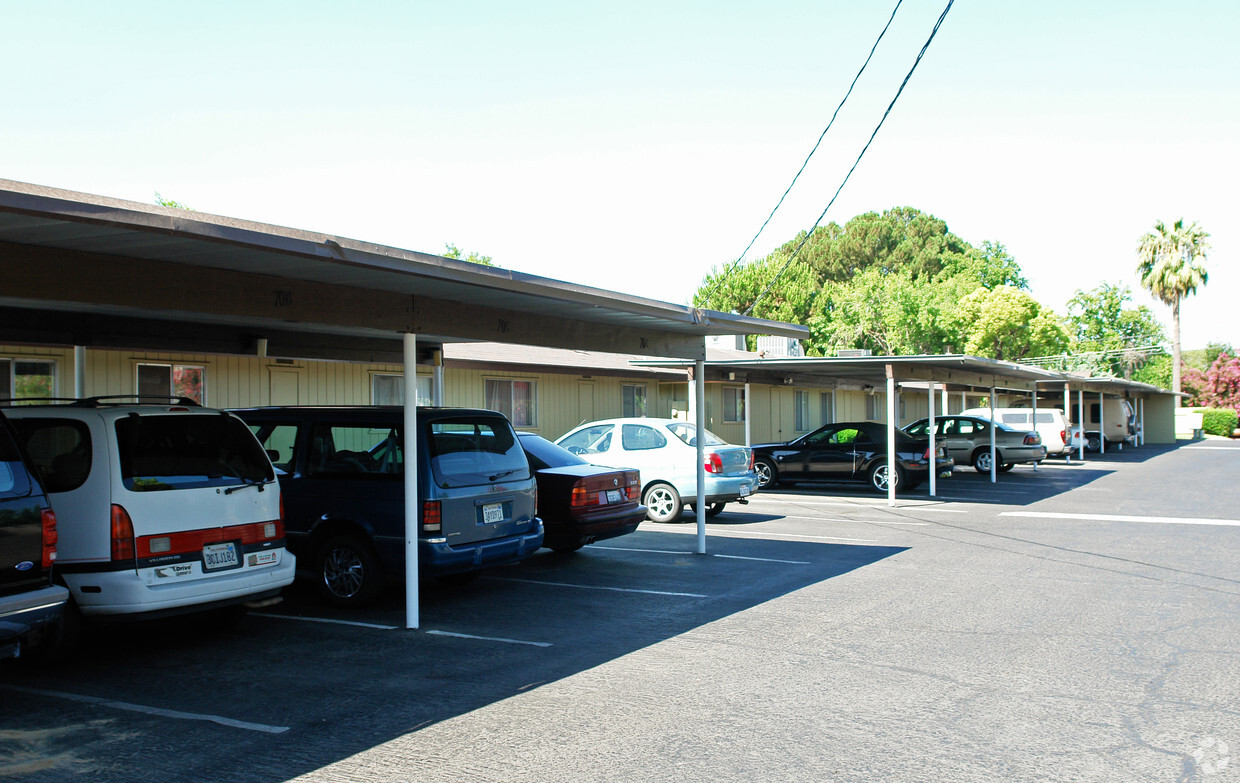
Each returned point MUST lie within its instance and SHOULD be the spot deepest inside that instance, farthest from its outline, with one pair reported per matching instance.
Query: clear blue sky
(636, 146)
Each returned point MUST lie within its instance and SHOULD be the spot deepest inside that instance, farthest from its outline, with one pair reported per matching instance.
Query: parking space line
(1123, 518)
(158, 711)
(490, 638)
(866, 505)
(1214, 448)
(326, 620)
(782, 536)
(597, 587)
(764, 559)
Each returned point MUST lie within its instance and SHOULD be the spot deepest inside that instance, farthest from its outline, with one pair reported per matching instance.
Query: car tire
(566, 549)
(1093, 443)
(878, 478)
(59, 641)
(662, 503)
(347, 571)
(714, 510)
(1006, 466)
(981, 460)
(768, 474)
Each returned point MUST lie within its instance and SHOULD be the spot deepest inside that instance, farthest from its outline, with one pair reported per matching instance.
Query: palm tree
(1169, 263)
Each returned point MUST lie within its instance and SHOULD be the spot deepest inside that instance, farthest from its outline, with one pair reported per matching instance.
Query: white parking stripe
(1123, 518)
(596, 587)
(683, 552)
(490, 638)
(120, 705)
(765, 559)
(1214, 448)
(326, 620)
(779, 536)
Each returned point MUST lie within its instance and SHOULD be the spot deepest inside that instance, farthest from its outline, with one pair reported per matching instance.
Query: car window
(591, 440)
(475, 450)
(1016, 418)
(639, 437)
(919, 429)
(1046, 418)
(847, 435)
(356, 449)
(184, 452)
(279, 440)
(688, 434)
(543, 453)
(13, 482)
(60, 448)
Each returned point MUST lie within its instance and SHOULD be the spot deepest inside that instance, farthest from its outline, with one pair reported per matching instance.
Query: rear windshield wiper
(245, 482)
(502, 474)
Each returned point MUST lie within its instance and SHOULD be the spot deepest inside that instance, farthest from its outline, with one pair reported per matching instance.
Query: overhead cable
(810, 233)
(823, 134)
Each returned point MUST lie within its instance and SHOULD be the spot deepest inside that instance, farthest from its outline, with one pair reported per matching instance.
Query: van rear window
(188, 452)
(472, 450)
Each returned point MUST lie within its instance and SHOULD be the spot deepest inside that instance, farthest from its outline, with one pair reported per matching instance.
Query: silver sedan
(968, 442)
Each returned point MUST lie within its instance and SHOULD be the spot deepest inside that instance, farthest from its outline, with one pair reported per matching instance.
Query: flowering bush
(1217, 388)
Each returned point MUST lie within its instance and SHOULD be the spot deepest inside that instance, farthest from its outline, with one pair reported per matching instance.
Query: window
(826, 407)
(633, 399)
(871, 407)
(591, 440)
(518, 400)
(61, 448)
(389, 389)
(22, 379)
(637, 437)
(173, 380)
(733, 404)
(800, 411)
(365, 449)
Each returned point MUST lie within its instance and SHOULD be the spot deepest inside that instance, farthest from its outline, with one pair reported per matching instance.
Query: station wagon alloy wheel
(348, 571)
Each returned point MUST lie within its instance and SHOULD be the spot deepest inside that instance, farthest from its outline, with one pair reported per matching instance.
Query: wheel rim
(880, 478)
(764, 473)
(343, 573)
(983, 461)
(661, 503)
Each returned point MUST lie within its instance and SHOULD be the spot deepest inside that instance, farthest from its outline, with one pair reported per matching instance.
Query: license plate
(744, 490)
(216, 556)
(614, 496)
(493, 512)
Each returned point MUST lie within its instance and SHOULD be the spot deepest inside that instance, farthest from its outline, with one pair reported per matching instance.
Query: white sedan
(665, 451)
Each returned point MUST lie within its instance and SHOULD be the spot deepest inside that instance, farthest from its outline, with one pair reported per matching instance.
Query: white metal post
(409, 431)
(748, 433)
(79, 372)
(934, 470)
(1102, 426)
(1067, 411)
(439, 378)
(1080, 405)
(1034, 420)
(699, 397)
(892, 467)
(1141, 421)
(994, 469)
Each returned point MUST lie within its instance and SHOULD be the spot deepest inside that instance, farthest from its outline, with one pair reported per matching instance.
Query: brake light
(1031, 440)
(1063, 435)
(49, 538)
(582, 497)
(432, 517)
(634, 485)
(714, 463)
(752, 463)
(122, 534)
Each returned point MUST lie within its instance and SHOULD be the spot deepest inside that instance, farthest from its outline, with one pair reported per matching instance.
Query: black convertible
(846, 451)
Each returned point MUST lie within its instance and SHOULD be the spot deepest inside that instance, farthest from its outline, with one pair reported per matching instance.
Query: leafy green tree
(736, 287)
(167, 202)
(1007, 323)
(454, 252)
(1155, 372)
(1170, 265)
(1120, 337)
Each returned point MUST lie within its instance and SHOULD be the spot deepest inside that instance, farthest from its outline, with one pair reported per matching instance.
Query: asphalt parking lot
(1073, 623)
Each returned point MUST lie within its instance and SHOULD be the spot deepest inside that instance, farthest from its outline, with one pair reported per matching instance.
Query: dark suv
(342, 473)
(29, 603)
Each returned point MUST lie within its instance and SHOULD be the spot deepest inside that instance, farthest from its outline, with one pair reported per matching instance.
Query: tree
(167, 202)
(1170, 265)
(1119, 338)
(1007, 323)
(1217, 388)
(454, 252)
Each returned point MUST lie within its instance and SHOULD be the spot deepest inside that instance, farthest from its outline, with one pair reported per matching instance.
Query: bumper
(595, 527)
(128, 592)
(21, 614)
(723, 489)
(436, 557)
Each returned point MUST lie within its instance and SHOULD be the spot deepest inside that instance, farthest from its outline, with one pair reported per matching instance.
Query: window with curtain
(173, 380)
(633, 399)
(800, 411)
(826, 407)
(733, 404)
(518, 400)
(26, 379)
(389, 389)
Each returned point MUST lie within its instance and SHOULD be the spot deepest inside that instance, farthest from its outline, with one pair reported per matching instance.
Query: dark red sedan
(580, 503)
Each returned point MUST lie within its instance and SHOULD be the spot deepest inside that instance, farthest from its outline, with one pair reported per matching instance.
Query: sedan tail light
(49, 538)
(583, 497)
(1032, 440)
(714, 463)
(634, 485)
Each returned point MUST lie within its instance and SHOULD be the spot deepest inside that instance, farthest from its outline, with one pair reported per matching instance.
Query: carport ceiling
(88, 270)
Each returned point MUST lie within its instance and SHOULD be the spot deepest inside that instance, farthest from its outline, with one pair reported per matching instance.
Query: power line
(810, 233)
(824, 132)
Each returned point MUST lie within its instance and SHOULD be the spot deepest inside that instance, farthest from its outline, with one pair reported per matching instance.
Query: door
(585, 402)
(284, 386)
(829, 453)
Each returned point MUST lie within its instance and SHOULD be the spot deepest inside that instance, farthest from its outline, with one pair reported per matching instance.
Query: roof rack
(102, 400)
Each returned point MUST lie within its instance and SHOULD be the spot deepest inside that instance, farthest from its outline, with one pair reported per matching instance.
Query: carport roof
(125, 269)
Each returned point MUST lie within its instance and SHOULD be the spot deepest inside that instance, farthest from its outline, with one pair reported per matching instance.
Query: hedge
(1218, 421)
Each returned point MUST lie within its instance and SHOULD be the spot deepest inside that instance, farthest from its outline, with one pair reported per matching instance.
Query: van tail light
(122, 534)
(49, 538)
(432, 517)
(925, 455)
(714, 463)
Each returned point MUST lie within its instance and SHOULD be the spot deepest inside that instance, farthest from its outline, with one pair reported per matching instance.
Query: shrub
(1218, 421)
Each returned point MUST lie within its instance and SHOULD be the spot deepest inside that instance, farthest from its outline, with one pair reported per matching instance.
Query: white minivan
(160, 509)
(1051, 424)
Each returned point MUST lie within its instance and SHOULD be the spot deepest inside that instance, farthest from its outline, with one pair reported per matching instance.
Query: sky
(637, 147)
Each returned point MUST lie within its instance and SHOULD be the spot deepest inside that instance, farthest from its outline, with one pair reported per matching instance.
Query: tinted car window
(473, 450)
(355, 449)
(920, 429)
(185, 452)
(13, 481)
(543, 453)
(61, 448)
(639, 437)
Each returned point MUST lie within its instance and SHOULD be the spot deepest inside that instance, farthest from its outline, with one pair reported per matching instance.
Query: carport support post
(892, 467)
(79, 371)
(699, 397)
(1141, 421)
(1033, 419)
(1080, 407)
(409, 430)
(1102, 426)
(748, 439)
(1067, 409)
(934, 471)
(994, 469)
